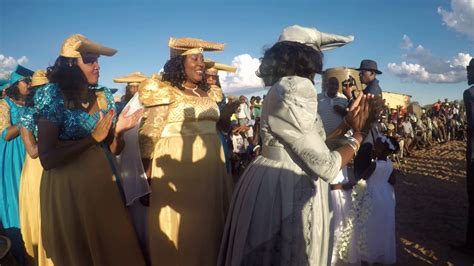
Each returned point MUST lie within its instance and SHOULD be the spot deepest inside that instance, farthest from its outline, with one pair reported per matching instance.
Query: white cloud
(407, 43)
(8, 63)
(415, 72)
(421, 66)
(244, 79)
(460, 17)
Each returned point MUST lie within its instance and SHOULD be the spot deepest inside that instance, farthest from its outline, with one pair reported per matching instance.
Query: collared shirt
(373, 88)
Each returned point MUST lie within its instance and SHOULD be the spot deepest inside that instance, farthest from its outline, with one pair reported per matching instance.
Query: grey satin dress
(280, 213)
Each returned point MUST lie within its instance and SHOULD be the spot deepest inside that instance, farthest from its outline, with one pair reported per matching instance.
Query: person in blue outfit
(12, 156)
(368, 72)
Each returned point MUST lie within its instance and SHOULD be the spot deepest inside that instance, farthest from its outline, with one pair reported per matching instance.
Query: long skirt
(12, 157)
(84, 220)
(30, 219)
(278, 216)
(190, 196)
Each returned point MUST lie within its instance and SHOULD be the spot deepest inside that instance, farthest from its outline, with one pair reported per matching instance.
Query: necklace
(193, 90)
(85, 102)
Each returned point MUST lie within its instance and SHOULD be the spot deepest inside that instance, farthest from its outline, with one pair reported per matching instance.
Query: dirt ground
(432, 206)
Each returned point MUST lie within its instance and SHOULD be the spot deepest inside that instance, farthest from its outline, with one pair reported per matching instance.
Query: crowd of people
(432, 125)
(176, 173)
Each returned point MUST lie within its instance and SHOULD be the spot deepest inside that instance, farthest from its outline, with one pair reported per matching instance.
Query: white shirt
(331, 119)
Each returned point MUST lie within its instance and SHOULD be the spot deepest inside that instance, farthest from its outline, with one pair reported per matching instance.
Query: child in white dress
(380, 224)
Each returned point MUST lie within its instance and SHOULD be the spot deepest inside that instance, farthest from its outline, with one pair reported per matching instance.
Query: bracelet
(353, 146)
(354, 143)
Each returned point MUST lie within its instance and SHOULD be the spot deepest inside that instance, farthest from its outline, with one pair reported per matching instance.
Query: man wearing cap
(468, 98)
(367, 73)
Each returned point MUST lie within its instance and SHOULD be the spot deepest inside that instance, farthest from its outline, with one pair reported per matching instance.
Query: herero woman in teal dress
(12, 156)
(83, 217)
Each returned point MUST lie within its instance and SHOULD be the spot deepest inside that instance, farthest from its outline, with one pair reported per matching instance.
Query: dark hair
(173, 72)
(128, 95)
(29, 100)
(66, 74)
(290, 59)
(13, 91)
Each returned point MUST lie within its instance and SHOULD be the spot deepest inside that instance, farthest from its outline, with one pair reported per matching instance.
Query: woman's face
(132, 89)
(263, 73)
(89, 64)
(23, 88)
(194, 68)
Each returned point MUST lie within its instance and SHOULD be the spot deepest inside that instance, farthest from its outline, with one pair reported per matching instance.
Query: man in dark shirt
(367, 73)
(468, 98)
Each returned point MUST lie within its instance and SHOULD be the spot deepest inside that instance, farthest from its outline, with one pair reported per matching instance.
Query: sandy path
(432, 207)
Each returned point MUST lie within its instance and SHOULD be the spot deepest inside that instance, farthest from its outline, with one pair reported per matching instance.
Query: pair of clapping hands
(124, 123)
(363, 111)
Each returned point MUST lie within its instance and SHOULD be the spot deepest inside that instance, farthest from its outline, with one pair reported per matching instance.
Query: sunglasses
(90, 59)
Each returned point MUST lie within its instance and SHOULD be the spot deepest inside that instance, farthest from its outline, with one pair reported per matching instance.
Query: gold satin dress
(191, 189)
(30, 218)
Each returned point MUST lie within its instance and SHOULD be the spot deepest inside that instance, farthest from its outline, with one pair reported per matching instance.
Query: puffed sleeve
(50, 104)
(155, 96)
(4, 116)
(152, 92)
(292, 119)
(27, 119)
(215, 93)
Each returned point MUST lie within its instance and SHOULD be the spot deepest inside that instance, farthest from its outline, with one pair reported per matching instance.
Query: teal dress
(84, 220)
(12, 156)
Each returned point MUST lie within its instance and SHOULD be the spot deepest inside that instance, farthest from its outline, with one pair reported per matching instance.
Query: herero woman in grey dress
(280, 210)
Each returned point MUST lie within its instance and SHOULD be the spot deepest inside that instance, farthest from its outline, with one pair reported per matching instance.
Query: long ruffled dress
(12, 156)
(280, 211)
(83, 217)
(30, 219)
(190, 188)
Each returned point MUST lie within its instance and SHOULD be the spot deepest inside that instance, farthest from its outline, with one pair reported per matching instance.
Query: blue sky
(441, 35)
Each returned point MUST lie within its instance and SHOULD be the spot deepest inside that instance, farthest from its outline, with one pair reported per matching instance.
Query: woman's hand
(102, 128)
(126, 122)
(353, 111)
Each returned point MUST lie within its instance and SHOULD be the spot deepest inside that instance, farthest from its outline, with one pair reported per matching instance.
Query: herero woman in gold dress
(29, 198)
(184, 157)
